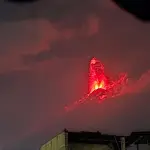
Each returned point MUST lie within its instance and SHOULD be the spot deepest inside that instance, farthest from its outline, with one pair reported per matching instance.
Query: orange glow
(97, 85)
(97, 79)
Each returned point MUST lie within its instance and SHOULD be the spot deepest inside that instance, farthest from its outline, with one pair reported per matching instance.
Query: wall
(57, 143)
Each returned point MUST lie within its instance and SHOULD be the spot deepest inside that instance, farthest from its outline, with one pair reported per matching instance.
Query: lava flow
(100, 86)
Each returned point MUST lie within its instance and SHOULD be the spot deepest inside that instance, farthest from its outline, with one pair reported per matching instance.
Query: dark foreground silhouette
(138, 8)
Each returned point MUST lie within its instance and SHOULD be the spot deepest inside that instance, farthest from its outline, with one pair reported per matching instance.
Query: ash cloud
(41, 56)
(138, 86)
(67, 13)
(72, 48)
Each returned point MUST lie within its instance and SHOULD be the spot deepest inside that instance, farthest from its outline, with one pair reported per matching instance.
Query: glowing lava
(97, 79)
(100, 86)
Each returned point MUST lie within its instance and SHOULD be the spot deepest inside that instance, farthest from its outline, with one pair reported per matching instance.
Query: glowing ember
(100, 86)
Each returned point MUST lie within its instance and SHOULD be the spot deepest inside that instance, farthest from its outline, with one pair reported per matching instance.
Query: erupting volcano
(100, 86)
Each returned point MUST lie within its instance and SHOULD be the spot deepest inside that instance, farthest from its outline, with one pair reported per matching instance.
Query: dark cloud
(73, 48)
(120, 49)
(41, 56)
(69, 13)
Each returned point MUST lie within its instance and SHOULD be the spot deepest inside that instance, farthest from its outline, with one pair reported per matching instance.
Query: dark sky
(44, 55)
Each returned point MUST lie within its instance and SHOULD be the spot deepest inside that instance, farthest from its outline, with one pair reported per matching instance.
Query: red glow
(100, 86)
(97, 78)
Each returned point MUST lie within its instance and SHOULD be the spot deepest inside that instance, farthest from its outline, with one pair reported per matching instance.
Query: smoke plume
(139, 85)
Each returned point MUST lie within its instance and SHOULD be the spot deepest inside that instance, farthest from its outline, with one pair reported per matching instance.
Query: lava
(100, 86)
(97, 79)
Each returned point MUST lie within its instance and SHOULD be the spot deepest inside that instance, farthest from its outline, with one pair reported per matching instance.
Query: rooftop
(142, 137)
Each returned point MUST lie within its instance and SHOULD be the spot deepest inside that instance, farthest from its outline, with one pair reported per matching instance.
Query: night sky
(45, 49)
